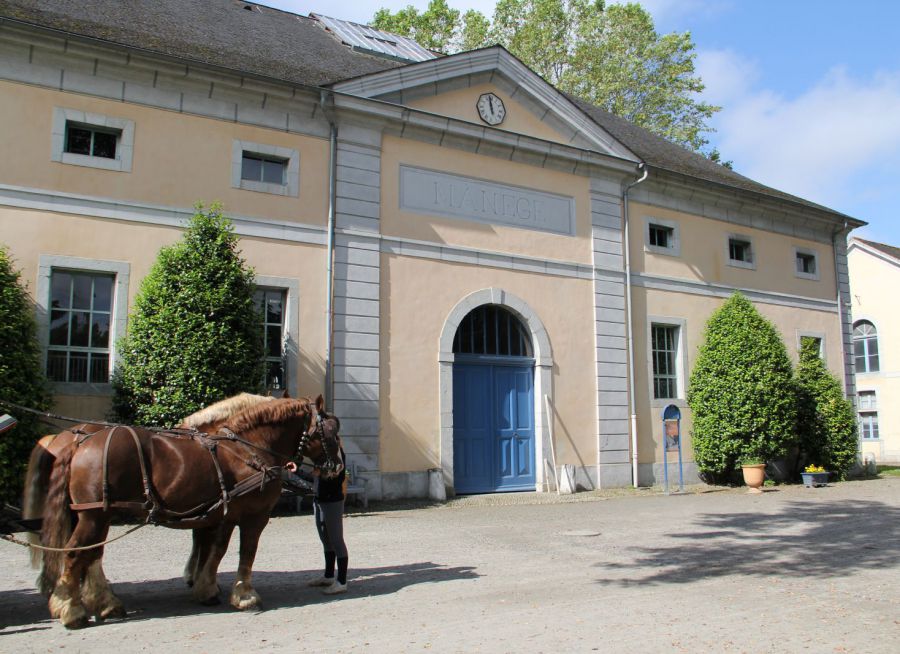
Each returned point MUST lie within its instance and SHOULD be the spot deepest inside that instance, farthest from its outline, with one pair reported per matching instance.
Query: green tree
(611, 56)
(22, 379)
(742, 394)
(826, 422)
(194, 334)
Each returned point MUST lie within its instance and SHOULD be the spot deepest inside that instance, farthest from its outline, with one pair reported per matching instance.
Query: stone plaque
(455, 196)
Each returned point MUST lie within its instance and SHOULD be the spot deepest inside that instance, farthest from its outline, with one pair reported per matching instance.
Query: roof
(251, 38)
(889, 250)
(365, 38)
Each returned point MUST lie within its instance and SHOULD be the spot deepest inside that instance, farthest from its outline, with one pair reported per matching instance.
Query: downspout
(329, 266)
(631, 401)
(837, 287)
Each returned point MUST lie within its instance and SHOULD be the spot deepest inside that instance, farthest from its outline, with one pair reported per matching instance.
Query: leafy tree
(826, 422)
(610, 56)
(22, 379)
(194, 335)
(742, 394)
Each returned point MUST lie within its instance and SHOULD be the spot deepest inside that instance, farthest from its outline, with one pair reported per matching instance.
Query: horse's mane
(223, 409)
(270, 412)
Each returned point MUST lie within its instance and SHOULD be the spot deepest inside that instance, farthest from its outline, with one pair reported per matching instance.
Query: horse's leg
(65, 602)
(190, 568)
(215, 543)
(97, 594)
(243, 596)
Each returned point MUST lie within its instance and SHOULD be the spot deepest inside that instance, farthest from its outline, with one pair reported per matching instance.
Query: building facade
(872, 267)
(491, 280)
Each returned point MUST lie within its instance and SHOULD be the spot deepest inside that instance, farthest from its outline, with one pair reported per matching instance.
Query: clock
(491, 109)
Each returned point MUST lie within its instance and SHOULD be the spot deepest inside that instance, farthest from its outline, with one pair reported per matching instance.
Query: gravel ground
(709, 570)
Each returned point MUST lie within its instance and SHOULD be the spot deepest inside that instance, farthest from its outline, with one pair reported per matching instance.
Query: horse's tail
(57, 524)
(34, 495)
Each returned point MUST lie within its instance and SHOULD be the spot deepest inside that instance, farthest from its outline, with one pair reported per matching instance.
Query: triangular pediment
(450, 86)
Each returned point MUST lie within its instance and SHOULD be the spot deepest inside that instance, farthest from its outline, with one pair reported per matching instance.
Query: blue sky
(810, 91)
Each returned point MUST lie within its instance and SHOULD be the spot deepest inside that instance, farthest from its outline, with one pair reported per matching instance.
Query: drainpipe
(837, 287)
(329, 274)
(631, 402)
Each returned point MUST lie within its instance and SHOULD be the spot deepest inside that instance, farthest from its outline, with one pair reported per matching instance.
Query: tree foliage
(194, 334)
(611, 56)
(826, 422)
(22, 379)
(742, 394)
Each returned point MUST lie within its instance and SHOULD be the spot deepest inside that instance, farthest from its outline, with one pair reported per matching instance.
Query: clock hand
(491, 103)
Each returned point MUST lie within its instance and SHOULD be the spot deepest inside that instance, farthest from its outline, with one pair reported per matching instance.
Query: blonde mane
(223, 410)
(261, 414)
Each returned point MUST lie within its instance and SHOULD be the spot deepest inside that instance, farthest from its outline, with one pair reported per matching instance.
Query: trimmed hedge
(741, 393)
(22, 379)
(194, 335)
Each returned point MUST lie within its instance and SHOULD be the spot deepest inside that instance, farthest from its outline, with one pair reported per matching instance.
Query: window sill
(813, 277)
(102, 163)
(656, 249)
(267, 187)
(746, 265)
(79, 388)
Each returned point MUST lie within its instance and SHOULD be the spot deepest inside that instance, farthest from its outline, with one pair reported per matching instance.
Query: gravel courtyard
(711, 570)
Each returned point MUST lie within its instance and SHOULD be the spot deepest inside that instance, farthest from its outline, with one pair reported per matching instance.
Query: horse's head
(321, 442)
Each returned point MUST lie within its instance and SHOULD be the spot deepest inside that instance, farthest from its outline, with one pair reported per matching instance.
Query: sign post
(671, 417)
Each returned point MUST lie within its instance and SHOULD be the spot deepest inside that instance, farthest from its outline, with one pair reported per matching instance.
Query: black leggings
(330, 525)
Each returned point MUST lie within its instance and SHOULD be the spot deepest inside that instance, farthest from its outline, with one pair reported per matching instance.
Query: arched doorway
(493, 403)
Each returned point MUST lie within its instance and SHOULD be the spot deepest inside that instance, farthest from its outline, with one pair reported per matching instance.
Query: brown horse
(208, 484)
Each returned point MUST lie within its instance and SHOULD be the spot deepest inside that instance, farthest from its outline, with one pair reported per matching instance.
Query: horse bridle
(318, 429)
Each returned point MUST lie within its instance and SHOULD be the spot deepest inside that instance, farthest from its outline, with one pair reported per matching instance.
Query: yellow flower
(813, 468)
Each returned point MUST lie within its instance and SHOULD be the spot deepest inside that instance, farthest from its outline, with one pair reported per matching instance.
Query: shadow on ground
(802, 540)
(146, 600)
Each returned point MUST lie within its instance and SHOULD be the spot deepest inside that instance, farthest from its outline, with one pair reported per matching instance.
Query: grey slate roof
(255, 39)
(889, 250)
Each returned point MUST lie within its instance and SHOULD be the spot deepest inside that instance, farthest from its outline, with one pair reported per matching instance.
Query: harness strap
(109, 436)
(212, 448)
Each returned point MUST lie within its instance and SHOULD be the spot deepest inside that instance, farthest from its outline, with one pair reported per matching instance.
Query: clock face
(491, 109)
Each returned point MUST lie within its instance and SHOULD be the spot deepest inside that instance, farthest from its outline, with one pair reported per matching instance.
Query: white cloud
(728, 76)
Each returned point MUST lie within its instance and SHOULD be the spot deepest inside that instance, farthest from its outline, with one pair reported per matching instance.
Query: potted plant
(754, 470)
(814, 476)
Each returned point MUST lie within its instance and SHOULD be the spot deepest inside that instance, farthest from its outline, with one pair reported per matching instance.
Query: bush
(194, 335)
(741, 392)
(826, 421)
(22, 379)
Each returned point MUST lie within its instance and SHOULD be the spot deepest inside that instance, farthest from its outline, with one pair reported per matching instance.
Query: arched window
(865, 346)
(491, 329)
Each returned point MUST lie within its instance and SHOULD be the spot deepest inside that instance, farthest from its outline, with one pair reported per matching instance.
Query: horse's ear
(320, 404)
(286, 395)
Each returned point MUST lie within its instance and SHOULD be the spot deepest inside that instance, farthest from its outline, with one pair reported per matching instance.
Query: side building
(488, 277)
(874, 269)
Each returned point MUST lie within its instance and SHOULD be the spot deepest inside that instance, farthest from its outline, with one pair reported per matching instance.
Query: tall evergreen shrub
(741, 391)
(826, 422)
(22, 379)
(194, 335)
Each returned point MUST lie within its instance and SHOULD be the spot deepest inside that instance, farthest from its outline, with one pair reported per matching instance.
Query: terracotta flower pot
(754, 476)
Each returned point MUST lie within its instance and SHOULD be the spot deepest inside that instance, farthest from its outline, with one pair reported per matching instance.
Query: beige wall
(695, 311)
(461, 104)
(873, 282)
(466, 233)
(179, 159)
(30, 234)
(704, 255)
(417, 296)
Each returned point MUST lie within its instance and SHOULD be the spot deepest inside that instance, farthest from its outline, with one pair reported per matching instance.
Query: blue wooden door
(493, 427)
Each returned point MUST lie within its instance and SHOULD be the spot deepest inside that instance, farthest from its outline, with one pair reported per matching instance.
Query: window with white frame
(740, 252)
(88, 139)
(662, 236)
(865, 347)
(664, 355)
(271, 303)
(80, 319)
(265, 168)
(868, 415)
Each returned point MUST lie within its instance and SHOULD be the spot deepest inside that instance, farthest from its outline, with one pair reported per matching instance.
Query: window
(818, 340)
(661, 236)
(868, 415)
(265, 168)
(271, 303)
(257, 168)
(87, 139)
(492, 330)
(865, 347)
(80, 318)
(806, 264)
(664, 354)
(740, 251)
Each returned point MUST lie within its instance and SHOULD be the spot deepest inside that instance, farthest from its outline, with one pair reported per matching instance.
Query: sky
(809, 90)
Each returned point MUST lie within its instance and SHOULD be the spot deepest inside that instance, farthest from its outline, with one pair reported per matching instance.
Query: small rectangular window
(258, 168)
(661, 236)
(868, 415)
(91, 141)
(664, 353)
(271, 304)
(80, 314)
(806, 263)
(740, 250)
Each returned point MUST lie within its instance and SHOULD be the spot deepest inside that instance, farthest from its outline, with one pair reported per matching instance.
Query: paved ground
(793, 569)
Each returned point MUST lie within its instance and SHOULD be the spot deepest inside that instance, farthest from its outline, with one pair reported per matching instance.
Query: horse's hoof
(211, 601)
(80, 623)
(246, 602)
(74, 617)
(113, 612)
